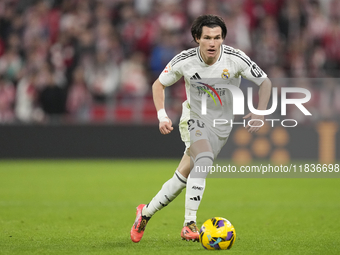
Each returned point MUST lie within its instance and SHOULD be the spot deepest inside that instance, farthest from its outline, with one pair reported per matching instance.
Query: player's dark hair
(208, 21)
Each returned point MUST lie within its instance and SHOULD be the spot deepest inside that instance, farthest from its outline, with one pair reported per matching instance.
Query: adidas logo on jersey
(196, 198)
(195, 77)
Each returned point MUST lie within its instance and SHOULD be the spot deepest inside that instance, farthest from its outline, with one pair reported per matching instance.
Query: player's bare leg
(203, 156)
(184, 165)
(169, 191)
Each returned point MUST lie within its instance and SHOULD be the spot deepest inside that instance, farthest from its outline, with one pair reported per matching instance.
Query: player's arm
(165, 124)
(264, 96)
(251, 71)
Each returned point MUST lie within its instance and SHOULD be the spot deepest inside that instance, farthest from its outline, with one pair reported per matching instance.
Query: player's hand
(254, 121)
(165, 127)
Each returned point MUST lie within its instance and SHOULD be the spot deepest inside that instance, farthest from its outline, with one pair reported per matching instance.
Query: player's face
(210, 44)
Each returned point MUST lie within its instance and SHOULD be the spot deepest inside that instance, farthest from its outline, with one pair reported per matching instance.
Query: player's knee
(204, 159)
(202, 164)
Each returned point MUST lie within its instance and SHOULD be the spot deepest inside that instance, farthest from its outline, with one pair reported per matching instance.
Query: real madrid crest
(225, 74)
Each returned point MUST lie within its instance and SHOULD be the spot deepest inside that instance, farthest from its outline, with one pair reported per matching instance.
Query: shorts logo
(198, 133)
(225, 74)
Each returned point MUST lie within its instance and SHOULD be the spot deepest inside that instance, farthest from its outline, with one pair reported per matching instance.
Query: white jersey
(201, 78)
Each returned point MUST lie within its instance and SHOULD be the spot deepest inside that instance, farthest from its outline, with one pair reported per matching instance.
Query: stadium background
(78, 67)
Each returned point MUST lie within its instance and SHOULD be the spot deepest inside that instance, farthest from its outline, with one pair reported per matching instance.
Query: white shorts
(193, 129)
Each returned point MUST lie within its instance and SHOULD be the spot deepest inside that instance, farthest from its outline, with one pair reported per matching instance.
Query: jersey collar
(201, 59)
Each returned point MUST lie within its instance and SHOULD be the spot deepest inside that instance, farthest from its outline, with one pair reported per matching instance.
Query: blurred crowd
(95, 60)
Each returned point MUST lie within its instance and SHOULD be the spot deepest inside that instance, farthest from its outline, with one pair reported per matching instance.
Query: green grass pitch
(88, 207)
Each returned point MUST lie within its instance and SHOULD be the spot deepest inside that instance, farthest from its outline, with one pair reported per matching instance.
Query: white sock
(169, 191)
(196, 184)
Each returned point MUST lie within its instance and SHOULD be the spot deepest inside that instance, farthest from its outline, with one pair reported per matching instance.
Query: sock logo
(198, 198)
(196, 187)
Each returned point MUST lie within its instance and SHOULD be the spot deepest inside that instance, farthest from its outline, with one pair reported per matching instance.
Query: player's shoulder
(236, 54)
(184, 56)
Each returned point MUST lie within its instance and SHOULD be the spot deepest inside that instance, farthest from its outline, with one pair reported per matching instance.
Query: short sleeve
(250, 70)
(171, 73)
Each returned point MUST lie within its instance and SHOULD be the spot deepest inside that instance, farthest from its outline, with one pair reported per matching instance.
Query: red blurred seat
(98, 112)
(149, 113)
(123, 113)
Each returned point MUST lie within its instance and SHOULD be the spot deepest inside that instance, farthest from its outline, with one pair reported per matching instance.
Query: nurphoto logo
(238, 103)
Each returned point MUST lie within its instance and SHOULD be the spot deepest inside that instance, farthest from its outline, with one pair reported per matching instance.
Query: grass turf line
(88, 207)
